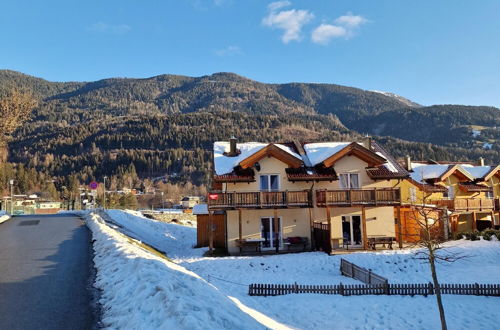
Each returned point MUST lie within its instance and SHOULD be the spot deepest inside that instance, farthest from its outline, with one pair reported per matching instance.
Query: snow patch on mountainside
(399, 98)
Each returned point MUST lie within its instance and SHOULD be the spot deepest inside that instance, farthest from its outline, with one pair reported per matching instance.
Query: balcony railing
(466, 204)
(349, 197)
(259, 199)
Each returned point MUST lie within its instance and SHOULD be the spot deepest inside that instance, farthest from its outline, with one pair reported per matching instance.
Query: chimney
(368, 142)
(232, 147)
(408, 163)
(481, 161)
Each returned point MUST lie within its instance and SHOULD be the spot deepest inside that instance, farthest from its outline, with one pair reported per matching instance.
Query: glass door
(351, 230)
(267, 233)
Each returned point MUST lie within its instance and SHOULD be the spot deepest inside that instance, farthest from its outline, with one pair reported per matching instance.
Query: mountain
(164, 125)
(399, 98)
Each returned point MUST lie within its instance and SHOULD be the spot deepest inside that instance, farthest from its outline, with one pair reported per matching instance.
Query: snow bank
(4, 216)
(144, 291)
(177, 241)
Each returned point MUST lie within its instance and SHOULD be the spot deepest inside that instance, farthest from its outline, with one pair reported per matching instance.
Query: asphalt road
(45, 273)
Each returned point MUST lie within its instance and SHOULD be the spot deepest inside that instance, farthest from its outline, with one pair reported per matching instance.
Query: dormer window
(269, 182)
(349, 181)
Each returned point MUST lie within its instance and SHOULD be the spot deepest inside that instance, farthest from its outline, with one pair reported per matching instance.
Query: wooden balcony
(466, 204)
(353, 197)
(259, 199)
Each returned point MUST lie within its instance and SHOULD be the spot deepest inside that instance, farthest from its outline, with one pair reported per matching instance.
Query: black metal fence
(359, 273)
(381, 289)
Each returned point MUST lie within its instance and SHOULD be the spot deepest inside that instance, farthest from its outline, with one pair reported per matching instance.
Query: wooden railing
(466, 204)
(348, 197)
(259, 199)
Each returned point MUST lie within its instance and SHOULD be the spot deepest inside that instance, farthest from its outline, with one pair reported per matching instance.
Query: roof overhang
(355, 149)
(458, 171)
(271, 150)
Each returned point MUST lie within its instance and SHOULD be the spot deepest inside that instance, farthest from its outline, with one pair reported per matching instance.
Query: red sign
(93, 185)
(213, 196)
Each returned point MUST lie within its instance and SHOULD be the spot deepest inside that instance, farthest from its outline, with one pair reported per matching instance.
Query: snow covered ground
(4, 216)
(231, 275)
(143, 291)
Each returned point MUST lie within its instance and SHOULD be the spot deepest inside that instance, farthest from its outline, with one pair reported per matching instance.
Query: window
(269, 182)
(451, 192)
(489, 193)
(349, 181)
(413, 194)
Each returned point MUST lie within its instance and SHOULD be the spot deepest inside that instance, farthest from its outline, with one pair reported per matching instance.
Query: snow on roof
(422, 172)
(225, 164)
(388, 165)
(318, 152)
(477, 172)
(200, 209)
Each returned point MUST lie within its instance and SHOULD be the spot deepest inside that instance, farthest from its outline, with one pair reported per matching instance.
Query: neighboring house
(274, 193)
(48, 207)
(460, 190)
(188, 202)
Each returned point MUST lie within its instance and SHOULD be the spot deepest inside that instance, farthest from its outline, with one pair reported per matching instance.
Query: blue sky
(433, 52)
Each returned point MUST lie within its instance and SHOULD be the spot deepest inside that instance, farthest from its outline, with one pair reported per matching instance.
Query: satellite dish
(257, 166)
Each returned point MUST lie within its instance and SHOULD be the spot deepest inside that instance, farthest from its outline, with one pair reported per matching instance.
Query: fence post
(476, 286)
(431, 288)
(386, 288)
(369, 276)
(250, 290)
(295, 288)
(341, 288)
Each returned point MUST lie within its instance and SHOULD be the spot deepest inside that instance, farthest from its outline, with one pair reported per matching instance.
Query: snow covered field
(229, 276)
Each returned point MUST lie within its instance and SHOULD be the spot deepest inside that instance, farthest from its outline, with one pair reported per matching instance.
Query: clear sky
(433, 52)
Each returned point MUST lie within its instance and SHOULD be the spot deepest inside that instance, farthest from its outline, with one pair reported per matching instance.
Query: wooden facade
(219, 230)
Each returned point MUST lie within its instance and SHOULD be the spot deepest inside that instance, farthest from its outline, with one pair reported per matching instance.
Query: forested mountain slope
(165, 125)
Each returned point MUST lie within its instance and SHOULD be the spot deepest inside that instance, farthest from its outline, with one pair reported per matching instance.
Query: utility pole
(11, 196)
(104, 199)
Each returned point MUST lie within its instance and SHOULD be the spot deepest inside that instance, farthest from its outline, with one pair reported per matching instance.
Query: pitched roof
(437, 172)
(482, 173)
(311, 159)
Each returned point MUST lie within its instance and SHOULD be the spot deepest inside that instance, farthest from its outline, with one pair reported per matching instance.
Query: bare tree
(430, 223)
(15, 108)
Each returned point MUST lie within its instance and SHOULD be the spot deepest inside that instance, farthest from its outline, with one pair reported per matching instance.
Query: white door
(267, 233)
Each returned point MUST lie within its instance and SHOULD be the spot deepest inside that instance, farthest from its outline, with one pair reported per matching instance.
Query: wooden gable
(354, 149)
(271, 150)
(456, 170)
(495, 171)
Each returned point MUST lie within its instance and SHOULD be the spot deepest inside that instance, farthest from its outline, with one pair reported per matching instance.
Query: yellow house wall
(295, 222)
(380, 220)
(271, 165)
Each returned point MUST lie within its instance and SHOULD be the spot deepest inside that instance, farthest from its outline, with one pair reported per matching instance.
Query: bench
(249, 245)
(373, 241)
(292, 242)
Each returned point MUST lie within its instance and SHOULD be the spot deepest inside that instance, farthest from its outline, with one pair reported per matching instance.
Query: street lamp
(104, 203)
(11, 196)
